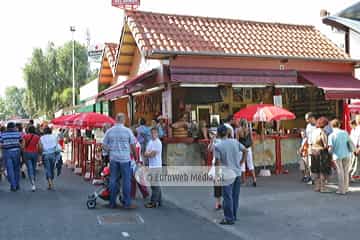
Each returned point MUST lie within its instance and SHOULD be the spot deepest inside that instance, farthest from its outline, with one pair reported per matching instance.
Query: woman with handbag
(320, 157)
(341, 147)
(49, 148)
(31, 141)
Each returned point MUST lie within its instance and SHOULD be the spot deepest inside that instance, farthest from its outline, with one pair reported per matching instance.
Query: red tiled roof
(110, 53)
(157, 33)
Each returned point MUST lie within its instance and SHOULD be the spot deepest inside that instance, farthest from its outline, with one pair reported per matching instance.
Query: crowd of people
(32, 147)
(230, 144)
(126, 152)
(325, 148)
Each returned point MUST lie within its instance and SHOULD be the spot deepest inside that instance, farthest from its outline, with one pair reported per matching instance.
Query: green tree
(13, 103)
(48, 76)
(4, 114)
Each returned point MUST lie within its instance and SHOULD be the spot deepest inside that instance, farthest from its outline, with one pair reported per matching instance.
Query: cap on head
(222, 130)
(11, 125)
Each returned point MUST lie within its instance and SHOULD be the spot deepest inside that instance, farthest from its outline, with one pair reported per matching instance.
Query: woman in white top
(211, 147)
(49, 148)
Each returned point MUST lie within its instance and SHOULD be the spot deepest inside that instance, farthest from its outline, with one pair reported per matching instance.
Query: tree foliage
(12, 104)
(48, 76)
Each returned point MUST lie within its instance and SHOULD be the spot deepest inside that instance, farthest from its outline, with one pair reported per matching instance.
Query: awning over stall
(234, 76)
(127, 86)
(335, 86)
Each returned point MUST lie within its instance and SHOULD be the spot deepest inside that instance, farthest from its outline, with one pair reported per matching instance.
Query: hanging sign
(126, 4)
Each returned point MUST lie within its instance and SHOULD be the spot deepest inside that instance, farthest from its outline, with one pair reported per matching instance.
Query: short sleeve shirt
(48, 143)
(31, 143)
(229, 152)
(338, 141)
(309, 131)
(155, 145)
(356, 136)
(118, 140)
(10, 140)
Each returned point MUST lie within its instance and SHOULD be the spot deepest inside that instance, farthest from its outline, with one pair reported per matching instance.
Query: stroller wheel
(91, 204)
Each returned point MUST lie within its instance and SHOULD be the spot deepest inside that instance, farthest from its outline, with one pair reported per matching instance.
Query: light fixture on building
(248, 85)
(154, 89)
(289, 86)
(198, 85)
(137, 93)
(122, 97)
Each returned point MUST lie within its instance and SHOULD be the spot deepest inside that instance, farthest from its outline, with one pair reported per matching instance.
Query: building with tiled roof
(163, 34)
(212, 67)
(161, 51)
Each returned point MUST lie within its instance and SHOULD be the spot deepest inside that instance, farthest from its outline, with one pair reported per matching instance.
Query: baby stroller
(102, 192)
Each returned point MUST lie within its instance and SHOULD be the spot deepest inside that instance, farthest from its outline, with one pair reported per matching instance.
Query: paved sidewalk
(62, 215)
(281, 207)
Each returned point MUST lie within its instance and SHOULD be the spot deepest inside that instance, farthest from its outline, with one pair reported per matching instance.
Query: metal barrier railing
(86, 154)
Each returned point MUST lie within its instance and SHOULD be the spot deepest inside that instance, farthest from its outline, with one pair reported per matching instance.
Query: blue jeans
(12, 161)
(231, 195)
(118, 169)
(49, 165)
(30, 161)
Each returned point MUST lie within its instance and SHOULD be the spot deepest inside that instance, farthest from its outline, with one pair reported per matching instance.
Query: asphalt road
(62, 214)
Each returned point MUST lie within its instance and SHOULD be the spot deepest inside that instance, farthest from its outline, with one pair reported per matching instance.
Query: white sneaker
(33, 188)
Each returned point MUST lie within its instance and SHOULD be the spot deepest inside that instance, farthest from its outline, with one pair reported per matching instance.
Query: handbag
(351, 146)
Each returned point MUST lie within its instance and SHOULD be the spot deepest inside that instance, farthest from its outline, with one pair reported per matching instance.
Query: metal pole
(72, 29)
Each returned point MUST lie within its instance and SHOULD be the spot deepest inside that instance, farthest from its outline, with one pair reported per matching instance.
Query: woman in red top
(31, 141)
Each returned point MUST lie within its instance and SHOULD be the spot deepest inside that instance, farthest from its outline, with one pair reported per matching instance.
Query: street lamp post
(72, 29)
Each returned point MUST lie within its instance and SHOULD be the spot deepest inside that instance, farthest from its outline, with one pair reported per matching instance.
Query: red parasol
(91, 120)
(249, 112)
(272, 113)
(64, 120)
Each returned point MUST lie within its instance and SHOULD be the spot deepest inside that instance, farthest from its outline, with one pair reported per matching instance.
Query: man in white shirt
(228, 122)
(153, 153)
(310, 128)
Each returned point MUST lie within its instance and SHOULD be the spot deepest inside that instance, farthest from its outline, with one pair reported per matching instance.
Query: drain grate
(123, 218)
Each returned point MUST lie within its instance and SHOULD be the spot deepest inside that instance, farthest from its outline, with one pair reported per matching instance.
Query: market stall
(210, 72)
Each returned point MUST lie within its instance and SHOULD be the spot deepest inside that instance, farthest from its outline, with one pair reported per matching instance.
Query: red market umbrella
(266, 113)
(64, 120)
(91, 120)
(272, 113)
(249, 112)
